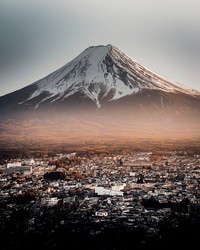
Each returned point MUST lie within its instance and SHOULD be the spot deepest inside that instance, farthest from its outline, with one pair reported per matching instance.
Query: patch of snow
(161, 100)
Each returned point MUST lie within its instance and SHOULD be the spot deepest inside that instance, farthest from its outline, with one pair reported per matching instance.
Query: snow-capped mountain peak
(100, 73)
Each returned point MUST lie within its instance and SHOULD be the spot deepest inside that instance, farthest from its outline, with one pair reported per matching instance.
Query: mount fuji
(101, 88)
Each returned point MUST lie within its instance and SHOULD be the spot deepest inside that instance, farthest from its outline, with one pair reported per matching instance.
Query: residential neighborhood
(132, 190)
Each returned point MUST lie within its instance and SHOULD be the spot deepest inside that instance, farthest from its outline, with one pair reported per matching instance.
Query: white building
(101, 213)
(50, 201)
(19, 169)
(105, 191)
(14, 164)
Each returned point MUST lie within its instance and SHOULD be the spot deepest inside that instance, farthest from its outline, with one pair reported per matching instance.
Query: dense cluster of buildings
(130, 189)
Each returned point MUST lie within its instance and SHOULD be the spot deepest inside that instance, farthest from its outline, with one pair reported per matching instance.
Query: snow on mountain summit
(101, 73)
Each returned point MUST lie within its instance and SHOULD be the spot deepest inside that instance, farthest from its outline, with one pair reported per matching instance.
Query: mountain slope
(100, 73)
(100, 88)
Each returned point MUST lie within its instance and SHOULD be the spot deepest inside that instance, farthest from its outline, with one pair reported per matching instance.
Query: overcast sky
(39, 36)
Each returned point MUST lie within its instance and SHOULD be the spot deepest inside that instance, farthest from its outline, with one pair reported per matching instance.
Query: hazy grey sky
(39, 36)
